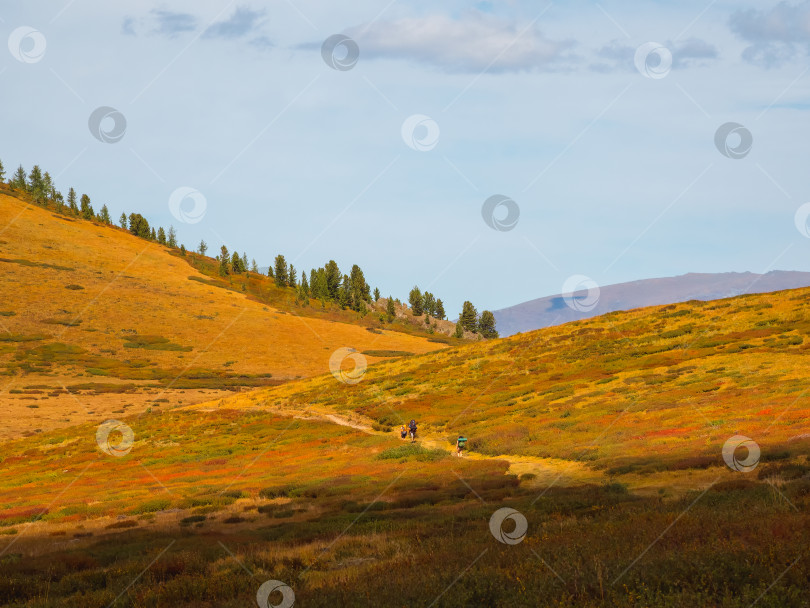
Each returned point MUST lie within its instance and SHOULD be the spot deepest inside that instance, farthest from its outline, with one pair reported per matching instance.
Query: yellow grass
(131, 286)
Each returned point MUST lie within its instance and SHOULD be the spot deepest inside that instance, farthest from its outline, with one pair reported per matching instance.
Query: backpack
(412, 424)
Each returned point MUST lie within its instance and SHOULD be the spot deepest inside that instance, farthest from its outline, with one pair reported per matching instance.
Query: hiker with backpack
(461, 443)
(412, 430)
(402, 432)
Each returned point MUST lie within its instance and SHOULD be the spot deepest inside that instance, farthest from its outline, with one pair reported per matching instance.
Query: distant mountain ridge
(555, 310)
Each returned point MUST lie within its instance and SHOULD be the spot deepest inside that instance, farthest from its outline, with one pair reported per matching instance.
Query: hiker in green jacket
(461, 443)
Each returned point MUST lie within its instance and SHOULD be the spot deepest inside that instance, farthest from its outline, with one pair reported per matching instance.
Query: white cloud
(468, 44)
(170, 23)
(775, 35)
(243, 22)
(618, 56)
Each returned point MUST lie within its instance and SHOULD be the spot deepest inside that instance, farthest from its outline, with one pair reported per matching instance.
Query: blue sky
(615, 173)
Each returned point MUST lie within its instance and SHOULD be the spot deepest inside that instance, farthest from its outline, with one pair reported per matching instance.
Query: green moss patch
(35, 264)
(153, 343)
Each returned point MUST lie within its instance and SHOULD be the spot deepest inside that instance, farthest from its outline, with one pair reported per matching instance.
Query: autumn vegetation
(252, 461)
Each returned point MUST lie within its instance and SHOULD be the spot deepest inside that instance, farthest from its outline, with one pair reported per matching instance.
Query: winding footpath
(546, 470)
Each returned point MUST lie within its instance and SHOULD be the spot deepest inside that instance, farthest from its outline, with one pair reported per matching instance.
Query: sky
(482, 151)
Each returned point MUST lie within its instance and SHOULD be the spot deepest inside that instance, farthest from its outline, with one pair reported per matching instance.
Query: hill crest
(555, 310)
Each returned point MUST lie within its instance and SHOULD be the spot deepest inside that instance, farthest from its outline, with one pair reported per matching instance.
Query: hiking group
(410, 431)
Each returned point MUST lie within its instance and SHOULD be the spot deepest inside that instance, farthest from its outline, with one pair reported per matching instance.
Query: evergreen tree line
(469, 320)
(425, 304)
(327, 284)
(139, 226)
(230, 263)
(40, 186)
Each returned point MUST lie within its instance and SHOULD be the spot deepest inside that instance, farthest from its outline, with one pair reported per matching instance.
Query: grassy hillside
(627, 393)
(96, 322)
(606, 435)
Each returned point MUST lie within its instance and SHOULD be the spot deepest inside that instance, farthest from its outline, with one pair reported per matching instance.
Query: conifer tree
(376, 294)
(161, 236)
(47, 186)
(87, 208)
(301, 295)
(104, 216)
(171, 239)
(223, 261)
(139, 226)
(71, 199)
(459, 333)
(360, 291)
(19, 181)
(429, 303)
(333, 280)
(152, 235)
(416, 301)
(122, 221)
(304, 284)
(390, 311)
(292, 276)
(440, 314)
(319, 286)
(202, 248)
(253, 266)
(280, 271)
(2, 172)
(35, 183)
(486, 325)
(236, 264)
(345, 292)
(469, 317)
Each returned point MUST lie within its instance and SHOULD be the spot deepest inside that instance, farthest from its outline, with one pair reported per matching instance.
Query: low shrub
(277, 491)
(412, 450)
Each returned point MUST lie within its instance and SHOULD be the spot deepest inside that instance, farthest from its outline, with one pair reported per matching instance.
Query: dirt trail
(546, 470)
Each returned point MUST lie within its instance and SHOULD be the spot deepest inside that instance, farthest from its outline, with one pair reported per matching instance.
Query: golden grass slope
(615, 426)
(94, 320)
(631, 394)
